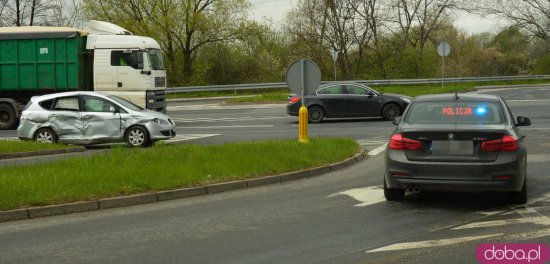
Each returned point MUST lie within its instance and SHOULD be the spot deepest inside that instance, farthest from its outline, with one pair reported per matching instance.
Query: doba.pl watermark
(513, 253)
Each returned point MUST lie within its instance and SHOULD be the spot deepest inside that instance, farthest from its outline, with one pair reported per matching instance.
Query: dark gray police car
(463, 142)
(341, 100)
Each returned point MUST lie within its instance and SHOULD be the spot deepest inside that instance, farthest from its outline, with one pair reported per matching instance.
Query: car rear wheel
(519, 197)
(393, 194)
(315, 114)
(45, 135)
(137, 137)
(390, 111)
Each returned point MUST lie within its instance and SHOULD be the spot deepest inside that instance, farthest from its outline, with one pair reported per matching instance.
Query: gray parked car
(86, 118)
(465, 142)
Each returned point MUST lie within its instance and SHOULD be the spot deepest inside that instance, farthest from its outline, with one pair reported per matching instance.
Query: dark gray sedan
(339, 100)
(464, 142)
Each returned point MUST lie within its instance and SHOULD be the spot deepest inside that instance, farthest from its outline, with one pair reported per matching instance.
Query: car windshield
(125, 103)
(461, 112)
(155, 59)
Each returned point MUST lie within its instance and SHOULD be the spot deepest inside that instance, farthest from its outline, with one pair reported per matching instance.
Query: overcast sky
(277, 9)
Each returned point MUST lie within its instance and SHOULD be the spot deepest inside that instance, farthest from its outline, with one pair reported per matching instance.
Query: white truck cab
(126, 65)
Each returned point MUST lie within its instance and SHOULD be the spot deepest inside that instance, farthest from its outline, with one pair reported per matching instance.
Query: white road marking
(229, 119)
(541, 220)
(431, 243)
(10, 138)
(377, 150)
(227, 127)
(223, 106)
(367, 196)
(532, 158)
(529, 100)
(366, 142)
(185, 137)
(490, 213)
(528, 235)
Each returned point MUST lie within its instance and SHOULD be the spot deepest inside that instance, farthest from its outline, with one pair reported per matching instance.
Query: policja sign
(303, 77)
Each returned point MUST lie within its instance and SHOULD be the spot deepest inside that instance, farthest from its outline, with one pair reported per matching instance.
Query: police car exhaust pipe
(416, 189)
(410, 188)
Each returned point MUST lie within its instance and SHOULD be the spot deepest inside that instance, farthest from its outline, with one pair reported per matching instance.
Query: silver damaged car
(86, 118)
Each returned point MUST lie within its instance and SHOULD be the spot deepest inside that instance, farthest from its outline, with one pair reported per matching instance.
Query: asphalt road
(339, 217)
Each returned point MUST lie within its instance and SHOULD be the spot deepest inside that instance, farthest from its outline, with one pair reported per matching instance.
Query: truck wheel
(45, 135)
(137, 137)
(7, 117)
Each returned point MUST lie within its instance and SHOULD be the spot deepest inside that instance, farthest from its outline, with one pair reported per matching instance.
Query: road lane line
(227, 127)
(377, 150)
(528, 235)
(532, 158)
(185, 137)
(431, 243)
(532, 220)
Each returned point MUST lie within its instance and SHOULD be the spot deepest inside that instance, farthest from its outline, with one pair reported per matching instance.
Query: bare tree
(26, 12)
(531, 15)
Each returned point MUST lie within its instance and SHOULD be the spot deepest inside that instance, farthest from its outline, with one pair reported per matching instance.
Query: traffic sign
(303, 74)
(443, 49)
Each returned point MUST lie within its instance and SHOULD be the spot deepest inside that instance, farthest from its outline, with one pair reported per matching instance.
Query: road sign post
(443, 49)
(303, 77)
(334, 58)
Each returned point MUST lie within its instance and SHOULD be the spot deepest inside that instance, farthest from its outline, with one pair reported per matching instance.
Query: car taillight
(507, 143)
(398, 142)
(294, 99)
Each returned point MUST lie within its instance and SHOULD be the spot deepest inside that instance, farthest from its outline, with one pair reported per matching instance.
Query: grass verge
(126, 171)
(9, 146)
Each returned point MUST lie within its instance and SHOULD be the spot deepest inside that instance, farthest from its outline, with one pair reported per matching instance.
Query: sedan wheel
(137, 137)
(45, 135)
(315, 114)
(521, 196)
(390, 111)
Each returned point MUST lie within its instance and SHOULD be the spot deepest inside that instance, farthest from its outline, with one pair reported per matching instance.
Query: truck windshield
(155, 59)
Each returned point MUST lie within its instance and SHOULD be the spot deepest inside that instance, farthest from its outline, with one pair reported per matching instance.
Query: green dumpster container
(43, 60)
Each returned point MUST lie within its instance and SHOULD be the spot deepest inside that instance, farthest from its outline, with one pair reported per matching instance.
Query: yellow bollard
(303, 133)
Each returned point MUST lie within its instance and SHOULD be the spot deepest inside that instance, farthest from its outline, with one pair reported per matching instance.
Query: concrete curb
(160, 196)
(41, 153)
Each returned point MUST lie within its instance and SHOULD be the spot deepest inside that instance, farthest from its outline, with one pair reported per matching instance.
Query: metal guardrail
(254, 86)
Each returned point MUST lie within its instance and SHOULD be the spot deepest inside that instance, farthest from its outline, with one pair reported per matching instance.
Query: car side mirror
(370, 94)
(523, 121)
(112, 109)
(396, 120)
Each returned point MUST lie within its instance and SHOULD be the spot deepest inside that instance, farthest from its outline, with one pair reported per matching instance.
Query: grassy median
(15, 146)
(125, 171)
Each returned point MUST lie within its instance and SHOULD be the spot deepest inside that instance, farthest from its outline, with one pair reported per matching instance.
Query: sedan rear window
(459, 112)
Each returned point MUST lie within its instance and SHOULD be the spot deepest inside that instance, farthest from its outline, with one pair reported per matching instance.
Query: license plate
(447, 147)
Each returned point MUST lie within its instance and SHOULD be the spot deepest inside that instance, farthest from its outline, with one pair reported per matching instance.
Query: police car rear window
(458, 112)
